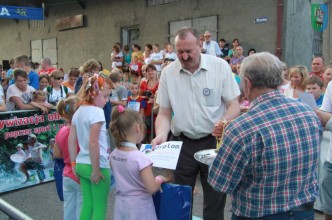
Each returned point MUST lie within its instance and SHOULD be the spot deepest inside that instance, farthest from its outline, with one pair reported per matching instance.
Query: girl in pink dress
(132, 169)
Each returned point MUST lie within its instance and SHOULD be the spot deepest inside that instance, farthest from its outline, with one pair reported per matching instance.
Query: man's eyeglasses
(207, 36)
(59, 78)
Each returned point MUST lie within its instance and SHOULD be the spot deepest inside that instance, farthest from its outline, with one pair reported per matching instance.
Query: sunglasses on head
(59, 78)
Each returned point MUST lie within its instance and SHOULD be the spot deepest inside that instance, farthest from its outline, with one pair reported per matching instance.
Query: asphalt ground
(41, 202)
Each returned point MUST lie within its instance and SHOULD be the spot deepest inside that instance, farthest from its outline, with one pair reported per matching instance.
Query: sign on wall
(319, 17)
(261, 20)
(14, 130)
(69, 22)
(13, 12)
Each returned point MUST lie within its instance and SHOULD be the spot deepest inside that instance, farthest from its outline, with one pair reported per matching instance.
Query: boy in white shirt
(156, 58)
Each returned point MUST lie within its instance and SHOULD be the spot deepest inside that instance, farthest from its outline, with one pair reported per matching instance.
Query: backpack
(49, 90)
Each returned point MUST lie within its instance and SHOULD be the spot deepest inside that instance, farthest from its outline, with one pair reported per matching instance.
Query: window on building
(317, 44)
(159, 2)
(129, 35)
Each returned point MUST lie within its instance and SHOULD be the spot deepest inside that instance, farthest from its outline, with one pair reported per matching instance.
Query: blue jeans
(72, 195)
(299, 215)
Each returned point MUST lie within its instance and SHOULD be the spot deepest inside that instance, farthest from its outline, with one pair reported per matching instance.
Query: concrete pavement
(42, 203)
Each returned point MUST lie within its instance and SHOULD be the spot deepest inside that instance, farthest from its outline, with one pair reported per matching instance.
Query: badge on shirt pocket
(206, 91)
(209, 97)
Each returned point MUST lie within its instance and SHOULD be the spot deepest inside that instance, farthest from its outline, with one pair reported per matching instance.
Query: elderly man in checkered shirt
(269, 155)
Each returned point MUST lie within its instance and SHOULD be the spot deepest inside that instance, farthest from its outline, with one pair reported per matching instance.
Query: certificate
(165, 155)
(134, 105)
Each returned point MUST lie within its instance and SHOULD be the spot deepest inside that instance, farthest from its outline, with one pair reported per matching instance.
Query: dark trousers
(187, 170)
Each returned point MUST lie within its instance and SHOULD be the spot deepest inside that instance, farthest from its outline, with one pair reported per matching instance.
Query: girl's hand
(43, 109)
(73, 168)
(96, 176)
(161, 179)
(85, 77)
(151, 100)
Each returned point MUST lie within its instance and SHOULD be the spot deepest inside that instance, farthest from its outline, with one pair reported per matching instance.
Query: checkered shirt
(269, 156)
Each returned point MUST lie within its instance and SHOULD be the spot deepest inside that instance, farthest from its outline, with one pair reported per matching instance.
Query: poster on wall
(319, 17)
(27, 140)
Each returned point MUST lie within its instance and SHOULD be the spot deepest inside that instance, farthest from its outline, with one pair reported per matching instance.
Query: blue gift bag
(173, 202)
(58, 170)
(112, 180)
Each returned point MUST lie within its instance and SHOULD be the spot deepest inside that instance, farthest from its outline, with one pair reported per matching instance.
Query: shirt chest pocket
(210, 91)
(211, 97)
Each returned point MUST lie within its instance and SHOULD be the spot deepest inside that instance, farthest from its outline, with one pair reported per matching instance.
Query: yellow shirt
(139, 55)
(106, 72)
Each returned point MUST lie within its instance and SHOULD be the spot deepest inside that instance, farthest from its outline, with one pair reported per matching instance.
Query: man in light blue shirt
(211, 47)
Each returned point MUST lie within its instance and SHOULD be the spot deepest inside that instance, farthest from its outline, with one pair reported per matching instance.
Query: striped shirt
(269, 157)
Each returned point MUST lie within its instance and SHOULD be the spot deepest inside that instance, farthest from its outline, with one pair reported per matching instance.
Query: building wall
(104, 20)
(298, 33)
(327, 37)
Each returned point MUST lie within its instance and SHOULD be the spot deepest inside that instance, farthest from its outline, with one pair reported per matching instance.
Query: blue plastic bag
(112, 180)
(58, 170)
(173, 202)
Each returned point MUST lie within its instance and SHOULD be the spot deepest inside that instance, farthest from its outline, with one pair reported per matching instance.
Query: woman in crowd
(126, 56)
(118, 58)
(57, 91)
(147, 53)
(147, 90)
(137, 52)
(73, 74)
(285, 79)
(298, 76)
(89, 68)
(44, 81)
(19, 95)
(235, 43)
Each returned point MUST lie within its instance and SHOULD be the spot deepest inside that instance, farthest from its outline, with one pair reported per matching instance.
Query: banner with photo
(15, 127)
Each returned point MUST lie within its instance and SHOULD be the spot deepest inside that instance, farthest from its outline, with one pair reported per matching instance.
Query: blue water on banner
(18, 12)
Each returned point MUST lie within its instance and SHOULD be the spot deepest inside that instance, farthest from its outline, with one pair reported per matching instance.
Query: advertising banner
(19, 12)
(25, 162)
